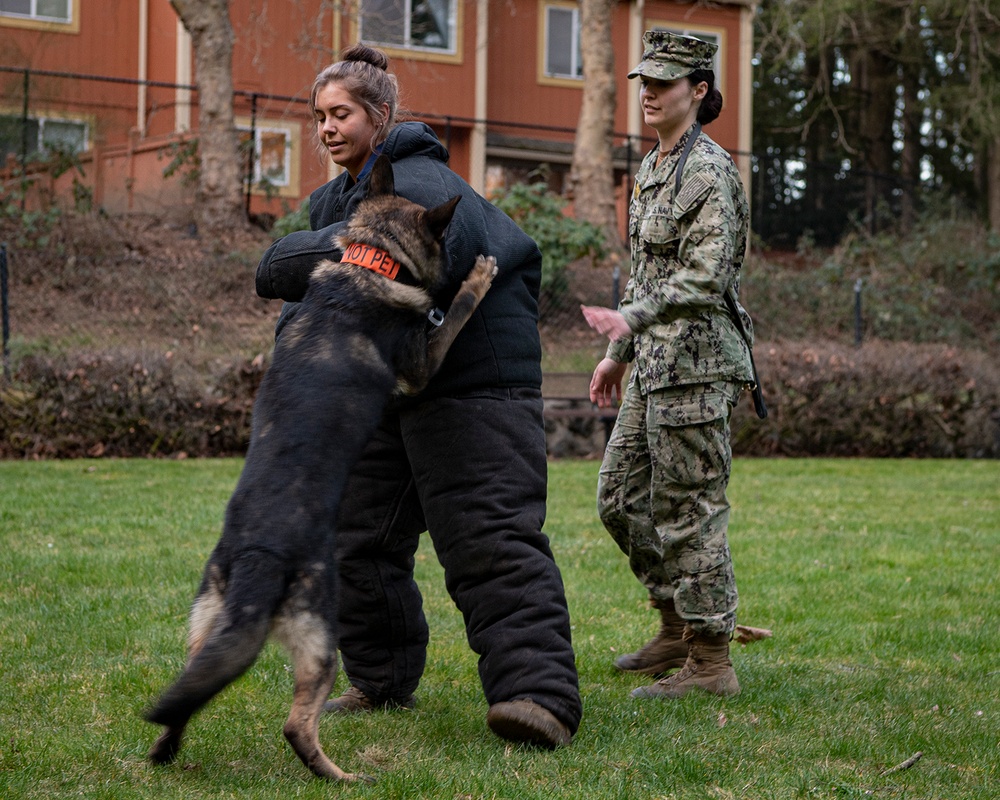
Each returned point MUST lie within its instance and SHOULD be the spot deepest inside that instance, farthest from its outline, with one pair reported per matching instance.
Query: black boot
(526, 721)
(354, 701)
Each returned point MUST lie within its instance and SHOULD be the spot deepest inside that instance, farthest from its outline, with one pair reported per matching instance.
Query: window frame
(545, 77)
(292, 134)
(39, 149)
(452, 55)
(32, 21)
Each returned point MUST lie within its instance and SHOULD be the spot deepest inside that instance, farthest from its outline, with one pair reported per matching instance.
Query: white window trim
(70, 24)
(447, 52)
(43, 121)
(293, 138)
(39, 146)
(544, 76)
(258, 148)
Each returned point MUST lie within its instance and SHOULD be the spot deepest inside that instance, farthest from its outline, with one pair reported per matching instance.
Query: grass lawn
(876, 577)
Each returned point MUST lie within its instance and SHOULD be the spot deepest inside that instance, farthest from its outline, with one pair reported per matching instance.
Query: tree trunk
(878, 82)
(818, 141)
(912, 149)
(219, 198)
(593, 169)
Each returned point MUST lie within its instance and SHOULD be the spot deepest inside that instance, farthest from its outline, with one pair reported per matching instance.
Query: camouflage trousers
(662, 497)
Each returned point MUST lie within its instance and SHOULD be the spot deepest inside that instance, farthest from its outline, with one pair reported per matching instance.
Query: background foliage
(873, 282)
(866, 113)
(562, 239)
(134, 339)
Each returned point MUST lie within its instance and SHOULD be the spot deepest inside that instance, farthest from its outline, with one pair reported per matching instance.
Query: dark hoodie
(499, 346)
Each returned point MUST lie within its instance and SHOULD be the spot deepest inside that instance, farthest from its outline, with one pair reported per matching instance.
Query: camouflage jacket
(686, 252)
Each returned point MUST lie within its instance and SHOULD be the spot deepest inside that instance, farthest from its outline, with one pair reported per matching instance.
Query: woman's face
(344, 128)
(670, 107)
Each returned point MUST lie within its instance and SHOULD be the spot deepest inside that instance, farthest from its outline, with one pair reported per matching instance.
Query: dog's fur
(357, 338)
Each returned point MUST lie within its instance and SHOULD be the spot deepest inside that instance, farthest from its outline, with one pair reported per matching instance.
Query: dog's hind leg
(312, 645)
(205, 611)
(225, 656)
(226, 635)
(167, 745)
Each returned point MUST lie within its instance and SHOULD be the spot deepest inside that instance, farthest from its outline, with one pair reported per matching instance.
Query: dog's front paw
(481, 276)
(488, 263)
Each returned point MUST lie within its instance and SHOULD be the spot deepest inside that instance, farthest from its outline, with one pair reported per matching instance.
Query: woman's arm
(284, 270)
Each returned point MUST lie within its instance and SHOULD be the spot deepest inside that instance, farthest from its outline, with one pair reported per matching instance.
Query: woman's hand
(607, 321)
(606, 384)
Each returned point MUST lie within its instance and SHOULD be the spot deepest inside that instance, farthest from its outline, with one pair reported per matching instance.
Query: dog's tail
(233, 642)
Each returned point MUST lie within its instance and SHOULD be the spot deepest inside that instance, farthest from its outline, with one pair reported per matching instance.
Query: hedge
(879, 400)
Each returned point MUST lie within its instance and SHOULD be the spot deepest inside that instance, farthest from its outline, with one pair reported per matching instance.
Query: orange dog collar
(373, 258)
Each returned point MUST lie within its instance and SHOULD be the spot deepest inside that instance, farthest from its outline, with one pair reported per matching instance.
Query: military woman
(662, 485)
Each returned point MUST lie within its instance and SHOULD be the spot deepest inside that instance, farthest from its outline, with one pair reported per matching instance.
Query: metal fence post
(24, 139)
(4, 310)
(251, 150)
(857, 313)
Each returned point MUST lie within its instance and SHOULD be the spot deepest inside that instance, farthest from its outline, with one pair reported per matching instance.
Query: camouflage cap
(666, 56)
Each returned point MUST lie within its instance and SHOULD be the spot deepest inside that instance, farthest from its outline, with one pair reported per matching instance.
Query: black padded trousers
(472, 471)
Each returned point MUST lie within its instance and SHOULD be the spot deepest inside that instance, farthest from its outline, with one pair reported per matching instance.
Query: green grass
(877, 578)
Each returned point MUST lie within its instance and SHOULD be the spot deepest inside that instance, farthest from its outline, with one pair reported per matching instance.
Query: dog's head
(409, 233)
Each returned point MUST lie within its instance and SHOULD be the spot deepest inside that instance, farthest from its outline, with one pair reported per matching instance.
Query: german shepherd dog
(359, 336)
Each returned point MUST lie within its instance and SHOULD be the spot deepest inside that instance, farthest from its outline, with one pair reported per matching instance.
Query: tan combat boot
(666, 651)
(707, 668)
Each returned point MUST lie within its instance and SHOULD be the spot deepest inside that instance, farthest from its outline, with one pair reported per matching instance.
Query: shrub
(882, 399)
(292, 220)
(937, 283)
(123, 404)
(542, 215)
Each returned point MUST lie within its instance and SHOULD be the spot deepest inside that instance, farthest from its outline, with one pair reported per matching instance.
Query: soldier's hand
(606, 383)
(607, 321)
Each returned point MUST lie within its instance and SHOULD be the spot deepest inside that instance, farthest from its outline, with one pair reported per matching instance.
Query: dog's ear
(438, 218)
(382, 180)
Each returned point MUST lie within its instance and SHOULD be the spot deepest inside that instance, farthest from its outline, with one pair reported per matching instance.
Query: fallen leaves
(744, 634)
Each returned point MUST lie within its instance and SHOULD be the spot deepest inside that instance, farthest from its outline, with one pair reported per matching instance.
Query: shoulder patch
(692, 192)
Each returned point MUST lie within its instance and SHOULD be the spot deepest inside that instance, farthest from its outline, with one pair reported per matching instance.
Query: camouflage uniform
(662, 488)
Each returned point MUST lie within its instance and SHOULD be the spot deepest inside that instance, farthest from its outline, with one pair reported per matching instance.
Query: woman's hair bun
(369, 55)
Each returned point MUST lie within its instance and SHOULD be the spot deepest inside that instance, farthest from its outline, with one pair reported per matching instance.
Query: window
(277, 145)
(414, 24)
(562, 42)
(41, 10)
(271, 156)
(42, 135)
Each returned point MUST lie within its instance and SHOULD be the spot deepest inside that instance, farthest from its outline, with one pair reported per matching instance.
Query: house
(109, 84)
